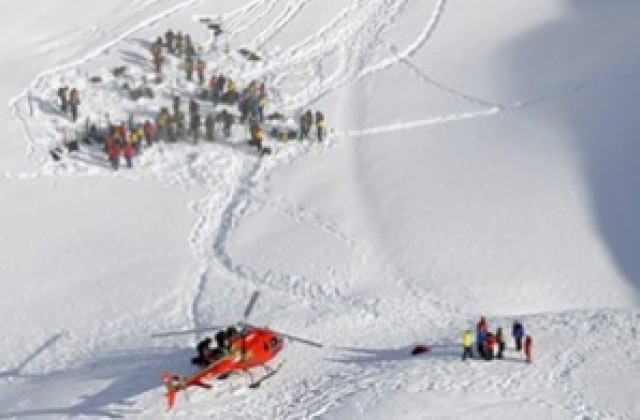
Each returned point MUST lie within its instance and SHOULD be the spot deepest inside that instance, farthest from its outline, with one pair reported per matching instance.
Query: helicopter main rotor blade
(298, 339)
(285, 335)
(252, 302)
(185, 332)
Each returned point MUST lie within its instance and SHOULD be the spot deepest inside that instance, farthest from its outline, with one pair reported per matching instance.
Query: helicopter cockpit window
(271, 344)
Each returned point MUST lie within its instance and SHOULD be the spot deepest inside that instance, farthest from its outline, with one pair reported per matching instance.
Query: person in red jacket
(149, 132)
(108, 144)
(114, 155)
(482, 325)
(490, 344)
(528, 343)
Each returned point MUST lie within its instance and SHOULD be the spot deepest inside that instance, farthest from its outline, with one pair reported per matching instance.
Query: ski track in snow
(231, 181)
(292, 9)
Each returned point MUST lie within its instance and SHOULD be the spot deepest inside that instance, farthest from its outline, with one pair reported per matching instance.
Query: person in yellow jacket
(319, 125)
(258, 136)
(136, 138)
(231, 86)
(467, 343)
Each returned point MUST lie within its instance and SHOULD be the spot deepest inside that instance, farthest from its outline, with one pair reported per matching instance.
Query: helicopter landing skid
(270, 372)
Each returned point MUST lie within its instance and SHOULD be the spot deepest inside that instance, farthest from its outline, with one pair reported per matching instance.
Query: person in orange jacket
(528, 343)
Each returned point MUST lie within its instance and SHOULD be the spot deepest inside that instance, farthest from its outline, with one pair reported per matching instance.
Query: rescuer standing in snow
(528, 343)
(517, 331)
(467, 342)
(500, 342)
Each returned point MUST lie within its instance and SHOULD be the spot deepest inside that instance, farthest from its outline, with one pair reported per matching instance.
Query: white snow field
(482, 159)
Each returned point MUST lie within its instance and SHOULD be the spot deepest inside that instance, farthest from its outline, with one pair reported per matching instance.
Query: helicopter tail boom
(175, 384)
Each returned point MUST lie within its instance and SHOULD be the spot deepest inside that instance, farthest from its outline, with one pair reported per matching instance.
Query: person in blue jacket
(517, 331)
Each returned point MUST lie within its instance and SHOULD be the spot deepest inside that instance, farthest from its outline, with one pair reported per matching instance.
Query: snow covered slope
(481, 161)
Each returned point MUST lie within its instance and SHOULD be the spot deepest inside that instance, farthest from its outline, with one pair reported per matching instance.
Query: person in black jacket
(204, 353)
(227, 122)
(64, 98)
(210, 127)
(221, 339)
(194, 126)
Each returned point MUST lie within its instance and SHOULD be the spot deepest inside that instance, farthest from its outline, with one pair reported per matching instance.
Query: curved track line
(430, 81)
(298, 213)
(420, 41)
(265, 10)
(423, 123)
(244, 13)
(575, 89)
(292, 10)
(360, 40)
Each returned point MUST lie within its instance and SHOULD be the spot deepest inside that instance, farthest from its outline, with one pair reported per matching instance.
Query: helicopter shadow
(368, 356)
(128, 373)
(17, 372)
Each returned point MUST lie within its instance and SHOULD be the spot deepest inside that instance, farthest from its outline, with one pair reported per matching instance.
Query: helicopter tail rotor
(174, 384)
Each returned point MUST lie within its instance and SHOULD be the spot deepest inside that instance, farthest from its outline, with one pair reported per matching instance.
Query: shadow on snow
(369, 356)
(129, 373)
(17, 372)
(605, 120)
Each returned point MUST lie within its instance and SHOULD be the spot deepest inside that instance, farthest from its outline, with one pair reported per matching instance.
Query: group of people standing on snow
(490, 345)
(178, 45)
(220, 89)
(173, 123)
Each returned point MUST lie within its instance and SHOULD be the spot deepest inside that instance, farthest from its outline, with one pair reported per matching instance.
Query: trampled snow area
(481, 160)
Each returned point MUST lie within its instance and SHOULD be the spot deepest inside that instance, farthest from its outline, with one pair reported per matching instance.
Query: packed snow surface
(481, 159)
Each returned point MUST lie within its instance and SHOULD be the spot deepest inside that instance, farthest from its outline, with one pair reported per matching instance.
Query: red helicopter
(246, 348)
